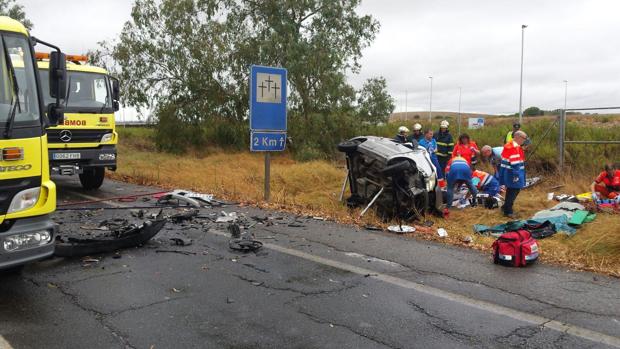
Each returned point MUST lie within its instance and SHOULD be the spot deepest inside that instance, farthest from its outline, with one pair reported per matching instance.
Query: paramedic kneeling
(607, 184)
(485, 183)
(458, 172)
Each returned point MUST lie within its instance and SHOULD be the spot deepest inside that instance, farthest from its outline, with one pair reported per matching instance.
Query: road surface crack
(99, 316)
(374, 339)
(442, 324)
(301, 293)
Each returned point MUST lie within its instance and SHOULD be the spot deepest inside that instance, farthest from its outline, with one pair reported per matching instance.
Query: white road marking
(541, 321)
(4, 344)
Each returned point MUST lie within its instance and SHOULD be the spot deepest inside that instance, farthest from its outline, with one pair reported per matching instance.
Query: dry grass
(312, 188)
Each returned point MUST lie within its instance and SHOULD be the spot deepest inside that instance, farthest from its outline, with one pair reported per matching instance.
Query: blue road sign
(267, 141)
(267, 98)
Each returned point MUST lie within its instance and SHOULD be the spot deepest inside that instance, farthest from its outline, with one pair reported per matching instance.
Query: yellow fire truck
(27, 195)
(85, 143)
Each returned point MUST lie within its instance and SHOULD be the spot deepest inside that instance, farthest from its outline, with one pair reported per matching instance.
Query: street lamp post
(523, 26)
(406, 99)
(430, 107)
(459, 128)
(565, 92)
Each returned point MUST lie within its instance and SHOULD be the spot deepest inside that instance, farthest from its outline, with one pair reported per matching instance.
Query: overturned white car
(399, 179)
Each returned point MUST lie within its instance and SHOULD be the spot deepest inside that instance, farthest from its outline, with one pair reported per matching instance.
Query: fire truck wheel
(92, 178)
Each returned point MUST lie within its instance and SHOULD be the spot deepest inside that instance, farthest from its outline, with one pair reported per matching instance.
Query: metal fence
(562, 134)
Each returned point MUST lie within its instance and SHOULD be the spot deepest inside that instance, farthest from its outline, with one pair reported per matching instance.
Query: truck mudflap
(29, 252)
(71, 161)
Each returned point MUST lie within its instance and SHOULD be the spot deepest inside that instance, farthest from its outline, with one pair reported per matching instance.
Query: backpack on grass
(515, 249)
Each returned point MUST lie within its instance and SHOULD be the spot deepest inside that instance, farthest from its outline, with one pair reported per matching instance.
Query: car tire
(348, 146)
(92, 178)
(397, 168)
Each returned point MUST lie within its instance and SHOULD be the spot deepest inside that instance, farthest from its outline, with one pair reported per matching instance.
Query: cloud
(474, 44)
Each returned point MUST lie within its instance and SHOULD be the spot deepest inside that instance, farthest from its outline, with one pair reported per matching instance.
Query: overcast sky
(474, 44)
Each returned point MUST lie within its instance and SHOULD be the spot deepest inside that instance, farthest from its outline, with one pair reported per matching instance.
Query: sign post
(268, 123)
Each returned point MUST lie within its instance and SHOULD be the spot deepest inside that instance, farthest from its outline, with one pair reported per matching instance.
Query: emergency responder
(493, 156)
(429, 143)
(401, 137)
(485, 183)
(607, 184)
(445, 143)
(417, 134)
(466, 148)
(512, 171)
(458, 172)
(515, 127)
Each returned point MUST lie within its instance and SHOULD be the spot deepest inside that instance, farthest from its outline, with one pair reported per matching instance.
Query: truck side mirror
(116, 89)
(58, 75)
(116, 93)
(55, 114)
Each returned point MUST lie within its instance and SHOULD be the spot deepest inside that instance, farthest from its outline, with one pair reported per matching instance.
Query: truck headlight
(24, 200)
(26, 240)
(107, 137)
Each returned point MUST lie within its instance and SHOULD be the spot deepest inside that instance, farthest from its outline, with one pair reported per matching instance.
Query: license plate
(66, 156)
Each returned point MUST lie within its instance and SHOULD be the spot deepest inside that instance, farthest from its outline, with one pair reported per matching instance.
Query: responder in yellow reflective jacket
(445, 144)
(515, 127)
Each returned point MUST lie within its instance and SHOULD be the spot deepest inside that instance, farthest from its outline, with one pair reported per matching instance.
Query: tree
(15, 11)
(195, 54)
(318, 41)
(533, 111)
(374, 102)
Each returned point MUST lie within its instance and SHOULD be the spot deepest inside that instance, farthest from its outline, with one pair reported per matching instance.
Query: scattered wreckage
(118, 233)
(108, 240)
(399, 179)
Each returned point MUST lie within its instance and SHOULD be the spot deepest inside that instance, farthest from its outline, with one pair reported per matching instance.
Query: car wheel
(348, 146)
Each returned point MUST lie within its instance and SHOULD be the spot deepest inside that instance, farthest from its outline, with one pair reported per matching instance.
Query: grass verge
(313, 188)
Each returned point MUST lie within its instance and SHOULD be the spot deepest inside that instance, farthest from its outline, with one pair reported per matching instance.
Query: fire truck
(27, 195)
(85, 143)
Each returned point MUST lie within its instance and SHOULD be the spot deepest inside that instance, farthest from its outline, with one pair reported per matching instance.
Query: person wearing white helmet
(417, 134)
(445, 144)
(401, 137)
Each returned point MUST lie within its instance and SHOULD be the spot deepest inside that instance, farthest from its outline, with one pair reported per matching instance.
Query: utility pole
(523, 26)
(459, 122)
(430, 107)
(565, 92)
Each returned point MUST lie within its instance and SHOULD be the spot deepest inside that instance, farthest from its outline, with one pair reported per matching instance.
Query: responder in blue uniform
(401, 137)
(459, 172)
(445, 144)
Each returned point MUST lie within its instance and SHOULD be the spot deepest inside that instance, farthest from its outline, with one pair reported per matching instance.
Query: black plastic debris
(183, 216)
(242, 243)
(181, 241)
(130, 235)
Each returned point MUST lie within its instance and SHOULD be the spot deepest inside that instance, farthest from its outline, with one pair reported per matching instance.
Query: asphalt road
(314, 284)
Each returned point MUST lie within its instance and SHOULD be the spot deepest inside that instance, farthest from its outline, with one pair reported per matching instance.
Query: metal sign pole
(267, 175)
(562, 128)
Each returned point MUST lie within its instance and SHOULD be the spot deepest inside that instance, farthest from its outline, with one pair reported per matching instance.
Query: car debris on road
(70, 244)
